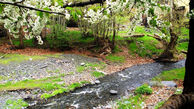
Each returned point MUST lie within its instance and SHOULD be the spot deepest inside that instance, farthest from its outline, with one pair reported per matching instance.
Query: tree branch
(31, 8)
(82, 4)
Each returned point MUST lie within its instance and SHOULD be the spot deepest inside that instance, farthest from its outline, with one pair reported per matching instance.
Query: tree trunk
(21, 36)
(114, 33)
(169, 53)
(189, 75)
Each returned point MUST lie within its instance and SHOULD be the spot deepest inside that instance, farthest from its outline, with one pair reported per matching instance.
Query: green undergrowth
(15, 104)
(144, 46)
(62, 90)
(115, 59)
(175, 74)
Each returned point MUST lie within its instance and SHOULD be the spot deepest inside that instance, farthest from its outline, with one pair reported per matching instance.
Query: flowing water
(123, 82)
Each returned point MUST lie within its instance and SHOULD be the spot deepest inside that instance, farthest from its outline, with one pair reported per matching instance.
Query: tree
(186, 99)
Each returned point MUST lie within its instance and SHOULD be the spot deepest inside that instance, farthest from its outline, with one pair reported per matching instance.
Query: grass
(18, 58)
(182, 46)
(15, 104)
(97, 74)
(115, 59)
(144, 47)
(175, 74)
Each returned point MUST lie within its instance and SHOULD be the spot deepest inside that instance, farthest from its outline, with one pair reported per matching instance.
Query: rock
(155, 83)
(82, 64)
(113, 92)
(169, 83)
(97, 82)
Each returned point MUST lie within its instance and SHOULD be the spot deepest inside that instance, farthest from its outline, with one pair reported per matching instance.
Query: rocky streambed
(108, 88)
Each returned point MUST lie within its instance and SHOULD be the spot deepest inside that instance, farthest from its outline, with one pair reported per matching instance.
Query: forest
(96, 54)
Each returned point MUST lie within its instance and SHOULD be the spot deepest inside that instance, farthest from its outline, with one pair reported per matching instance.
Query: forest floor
(68, 62)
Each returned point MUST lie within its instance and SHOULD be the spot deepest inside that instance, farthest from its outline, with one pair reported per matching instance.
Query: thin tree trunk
(114, 33)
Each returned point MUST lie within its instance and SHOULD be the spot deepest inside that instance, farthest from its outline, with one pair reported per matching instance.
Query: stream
(123, 82)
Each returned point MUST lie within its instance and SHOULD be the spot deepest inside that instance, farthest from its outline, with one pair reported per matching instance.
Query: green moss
(45, 84)
(97, 74)
(80, 69)
(18, 58)
(115, 59)
(15, 104)
(62, 90)
(144, 89)
(175, 74)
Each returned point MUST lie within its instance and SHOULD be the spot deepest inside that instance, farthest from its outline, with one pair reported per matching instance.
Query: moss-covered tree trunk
(169, 53)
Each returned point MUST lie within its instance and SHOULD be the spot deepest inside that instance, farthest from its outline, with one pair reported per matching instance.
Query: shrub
(144, 89)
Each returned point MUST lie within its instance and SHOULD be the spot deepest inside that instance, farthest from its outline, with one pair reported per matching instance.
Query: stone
(82, 64)
(169, 83)
(113, 92)
(155, 83)
(97, 82)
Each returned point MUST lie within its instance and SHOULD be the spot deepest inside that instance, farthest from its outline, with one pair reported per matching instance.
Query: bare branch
(31, 8)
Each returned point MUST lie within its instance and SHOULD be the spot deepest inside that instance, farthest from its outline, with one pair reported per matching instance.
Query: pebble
(82, 64)
(97, 82)
(113, 92)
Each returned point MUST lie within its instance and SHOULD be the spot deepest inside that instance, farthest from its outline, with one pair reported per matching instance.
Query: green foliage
(15, 104)
(97, 74)
(144, 89)
(175, 74)
(115, 59)
(145, 46)
(133, 102)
